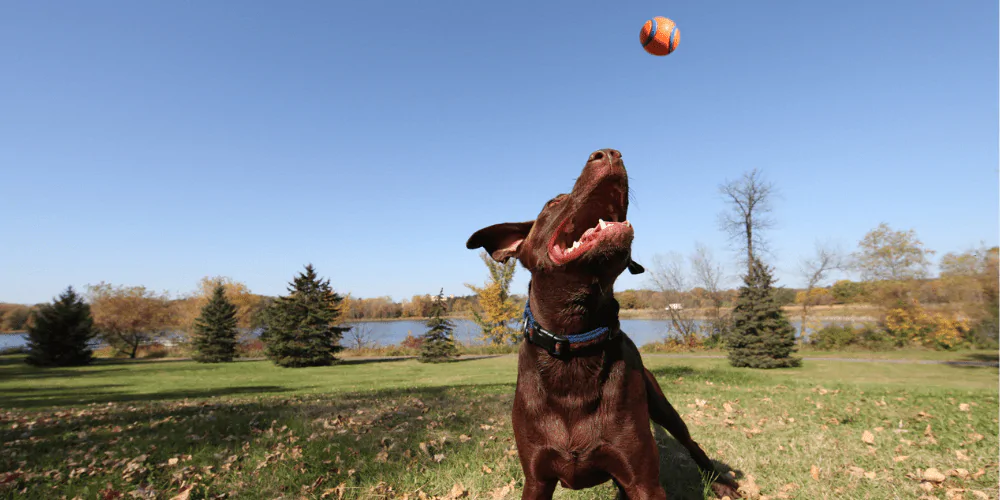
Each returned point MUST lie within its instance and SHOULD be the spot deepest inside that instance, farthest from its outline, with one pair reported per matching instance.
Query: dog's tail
(664, 414)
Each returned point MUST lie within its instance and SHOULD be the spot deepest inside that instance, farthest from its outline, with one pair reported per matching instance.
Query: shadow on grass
(29, 398)
(256, 438)
(679, 474)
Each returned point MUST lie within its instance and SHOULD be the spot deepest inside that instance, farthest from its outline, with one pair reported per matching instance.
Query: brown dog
(584, 400)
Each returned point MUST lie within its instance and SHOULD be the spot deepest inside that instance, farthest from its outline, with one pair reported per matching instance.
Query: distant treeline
(945, 290)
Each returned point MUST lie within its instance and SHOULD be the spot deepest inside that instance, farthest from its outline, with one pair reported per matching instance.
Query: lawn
(396, 429)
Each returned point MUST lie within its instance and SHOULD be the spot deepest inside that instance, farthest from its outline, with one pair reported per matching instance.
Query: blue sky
(154, 143)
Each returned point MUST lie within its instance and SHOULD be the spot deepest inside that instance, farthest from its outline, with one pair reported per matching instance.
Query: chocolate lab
(584, 400)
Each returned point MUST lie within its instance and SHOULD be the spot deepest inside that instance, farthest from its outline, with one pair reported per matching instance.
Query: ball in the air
(659, 36)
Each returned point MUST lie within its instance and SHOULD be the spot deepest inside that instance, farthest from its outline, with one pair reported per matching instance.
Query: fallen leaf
(980, 495)
(933, 475)
(868, 437)
(457, 491)
(961, 455)
(855, 471)
(963, 407)
(184, 493)
(172, 461)
(814, 472)
(954, 494)
(487, 469)
(900, 458)
(749, 487)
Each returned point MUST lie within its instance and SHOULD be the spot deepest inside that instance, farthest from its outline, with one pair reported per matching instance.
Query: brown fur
(582, 420)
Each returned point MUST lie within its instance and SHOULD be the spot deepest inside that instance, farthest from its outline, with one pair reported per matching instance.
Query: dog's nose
(603, 153)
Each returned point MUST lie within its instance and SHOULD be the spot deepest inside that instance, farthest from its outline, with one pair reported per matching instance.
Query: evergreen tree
(439, 342)
(761, 336)
(215, 330)
(300, 329)
(61, 333)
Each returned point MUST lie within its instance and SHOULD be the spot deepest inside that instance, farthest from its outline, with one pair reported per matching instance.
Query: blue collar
(557, 345)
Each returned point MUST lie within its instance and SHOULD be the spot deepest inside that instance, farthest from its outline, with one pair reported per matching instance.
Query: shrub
(251, 348)
(411, 342)
(912, 324)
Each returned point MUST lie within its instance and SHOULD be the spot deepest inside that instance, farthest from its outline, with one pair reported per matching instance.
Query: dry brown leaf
(900, 458)
(814, 472)
(184, 493)
(927, 486)
(172, 461)
(962, 473)
(980, 495)
(954, 494)
(749, 488)
(961, 455)
(963, 407)
(856, 471)
(382, 456)
(933, 475)
(502, 492)
(463, 438)
(487, 469)
(868, 437)
(457, 491)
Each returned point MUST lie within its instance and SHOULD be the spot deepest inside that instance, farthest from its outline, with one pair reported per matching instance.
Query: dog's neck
(567, 306)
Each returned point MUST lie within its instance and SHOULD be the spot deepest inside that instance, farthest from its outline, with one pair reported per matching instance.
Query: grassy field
(400, 429)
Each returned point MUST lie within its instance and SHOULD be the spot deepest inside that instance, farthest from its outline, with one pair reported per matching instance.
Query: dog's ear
(634, 267)
(501, 241)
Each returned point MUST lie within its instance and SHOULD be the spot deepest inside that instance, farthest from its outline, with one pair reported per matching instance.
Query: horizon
(156, 145)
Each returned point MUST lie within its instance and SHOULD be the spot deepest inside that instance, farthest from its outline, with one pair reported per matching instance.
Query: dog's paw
(727, 489)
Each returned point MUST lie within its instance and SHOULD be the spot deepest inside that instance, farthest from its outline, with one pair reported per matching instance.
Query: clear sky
(154, 143)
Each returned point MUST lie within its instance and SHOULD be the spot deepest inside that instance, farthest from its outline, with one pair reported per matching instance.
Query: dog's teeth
(602, 223)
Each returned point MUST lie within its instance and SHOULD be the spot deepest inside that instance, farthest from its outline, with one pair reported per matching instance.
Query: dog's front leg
(537, 489)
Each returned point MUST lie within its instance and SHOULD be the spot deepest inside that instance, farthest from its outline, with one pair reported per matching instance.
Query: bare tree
(360, 336)
(670, 277)
(710, 275)
(749, 200)
(814, 270)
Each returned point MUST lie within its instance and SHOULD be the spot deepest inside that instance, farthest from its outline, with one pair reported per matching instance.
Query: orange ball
(659, 36)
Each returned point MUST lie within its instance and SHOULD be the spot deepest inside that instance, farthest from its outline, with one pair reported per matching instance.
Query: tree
(815, 270)
(972, 278)
(301, 327)
(499, 309)
(16, 318)
(762, 337)
(847, 292)
(670, 277)
(215, 330)
(247, 304)
(709, 275)
(129, 316)
(439, 342)
(886, 254)
(61, 333)
(749, 200)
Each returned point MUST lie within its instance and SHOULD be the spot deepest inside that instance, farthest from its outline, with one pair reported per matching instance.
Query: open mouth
(598, 224)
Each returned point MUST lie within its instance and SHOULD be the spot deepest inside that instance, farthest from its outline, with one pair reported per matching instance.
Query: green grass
(253, 430)
(893, 354)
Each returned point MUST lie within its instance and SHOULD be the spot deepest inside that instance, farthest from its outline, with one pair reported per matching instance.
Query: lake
(641, 331)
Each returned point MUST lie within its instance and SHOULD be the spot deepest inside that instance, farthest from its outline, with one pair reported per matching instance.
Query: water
(641, 331)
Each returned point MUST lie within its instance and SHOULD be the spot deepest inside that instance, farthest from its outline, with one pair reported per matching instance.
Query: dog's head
(584, 232)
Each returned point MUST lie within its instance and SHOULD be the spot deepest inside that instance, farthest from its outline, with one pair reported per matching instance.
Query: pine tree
(438, 342)
(300, 329)
(215, 330)
(762, 336)
(61, 333)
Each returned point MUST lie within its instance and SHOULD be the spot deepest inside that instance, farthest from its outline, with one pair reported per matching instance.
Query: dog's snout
(601, 154)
